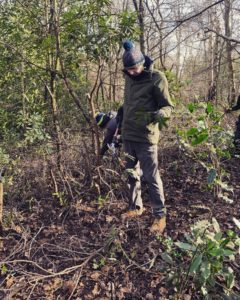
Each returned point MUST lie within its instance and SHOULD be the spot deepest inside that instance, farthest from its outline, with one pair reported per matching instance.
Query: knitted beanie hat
(132, 56)
(102, 119)
(99, 118)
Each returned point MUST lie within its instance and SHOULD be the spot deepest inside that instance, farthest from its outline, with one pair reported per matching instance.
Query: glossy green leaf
(199, 139)
(195, 263)
(192, 132)
(167, 258)
(205, 269)
(185, 246)
(211, 176)
(209, 108)
(191, 107)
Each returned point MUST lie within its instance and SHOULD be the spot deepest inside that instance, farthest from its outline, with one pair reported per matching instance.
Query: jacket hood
(148, 63)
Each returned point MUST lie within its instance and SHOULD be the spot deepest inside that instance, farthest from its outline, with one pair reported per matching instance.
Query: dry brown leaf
(121, 292)
(68, 286)
(9, 282)
(163, 290)
(57, 282)
(154, 283)
(105, 269)
(95, 290)
(95, 275)
(85, 208)
(17, 228)
(109, 219)
(149, 296)
(47, 287)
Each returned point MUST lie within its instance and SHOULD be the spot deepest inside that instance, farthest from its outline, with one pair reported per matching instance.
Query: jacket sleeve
(108, 137)
(119, 117)
(162, 96)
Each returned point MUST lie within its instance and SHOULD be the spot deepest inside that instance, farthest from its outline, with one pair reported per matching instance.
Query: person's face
(135, 71)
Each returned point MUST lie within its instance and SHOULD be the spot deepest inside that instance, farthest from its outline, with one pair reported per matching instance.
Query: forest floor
(83, 249)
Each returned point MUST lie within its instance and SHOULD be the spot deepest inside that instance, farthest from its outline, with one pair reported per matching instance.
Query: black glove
(116, 141)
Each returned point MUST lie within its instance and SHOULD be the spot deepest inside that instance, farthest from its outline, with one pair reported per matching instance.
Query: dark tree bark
(140, 12)
(230, 72)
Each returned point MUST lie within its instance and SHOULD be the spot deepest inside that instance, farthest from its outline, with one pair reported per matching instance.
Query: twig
(54, 182)
(1, 200)
(8, 262)
(77, 282)
(68, 270)
(33, 288)
(33, 239)
(135, 263)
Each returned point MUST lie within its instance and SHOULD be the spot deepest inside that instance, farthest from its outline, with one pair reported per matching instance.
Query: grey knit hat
(132, 56)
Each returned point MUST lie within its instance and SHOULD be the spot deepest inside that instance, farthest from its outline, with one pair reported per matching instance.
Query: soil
(54, 248)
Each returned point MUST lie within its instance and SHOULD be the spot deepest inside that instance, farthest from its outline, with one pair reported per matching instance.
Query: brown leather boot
(133, 213)
(158, 225)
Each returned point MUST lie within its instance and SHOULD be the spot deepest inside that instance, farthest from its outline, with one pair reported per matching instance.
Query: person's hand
(153, 117)
(159, 113)
(160, 119)
(117, 140)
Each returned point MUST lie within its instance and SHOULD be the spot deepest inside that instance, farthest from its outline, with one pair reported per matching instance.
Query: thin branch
(227, 38)
(180, 22)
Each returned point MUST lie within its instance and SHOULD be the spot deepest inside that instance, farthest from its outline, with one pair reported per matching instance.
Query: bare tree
(214, 55)
(53, 62)
(140, 13)
(230, 72)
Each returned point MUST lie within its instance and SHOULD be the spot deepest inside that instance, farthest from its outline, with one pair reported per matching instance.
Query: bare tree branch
(180, 22)
(227, 38)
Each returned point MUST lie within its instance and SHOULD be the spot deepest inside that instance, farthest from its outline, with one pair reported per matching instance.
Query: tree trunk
(95, 132)
(230, 72)
(23, 93)
(178, 37)
(159, 26)
(215, 57)
(140, 13)
(1, 201)
(54, 65)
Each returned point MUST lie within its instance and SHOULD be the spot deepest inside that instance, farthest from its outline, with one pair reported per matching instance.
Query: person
(111, 124)
(236, 139)
(147, 105)
(237, 136)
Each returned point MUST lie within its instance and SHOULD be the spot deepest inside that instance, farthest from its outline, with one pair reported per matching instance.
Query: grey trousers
(144, 156)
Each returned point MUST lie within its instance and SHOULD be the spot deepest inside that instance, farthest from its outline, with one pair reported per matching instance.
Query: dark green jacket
(143, 96)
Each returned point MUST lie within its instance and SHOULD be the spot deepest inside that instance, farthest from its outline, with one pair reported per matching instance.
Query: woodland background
(61, 231)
